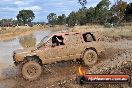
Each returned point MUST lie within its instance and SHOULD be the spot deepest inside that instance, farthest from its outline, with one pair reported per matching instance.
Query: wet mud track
(117, 59)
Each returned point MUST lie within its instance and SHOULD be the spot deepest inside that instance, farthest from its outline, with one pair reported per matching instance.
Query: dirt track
(116, 59)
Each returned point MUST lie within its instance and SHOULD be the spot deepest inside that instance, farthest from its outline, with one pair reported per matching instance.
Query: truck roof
(68, 33)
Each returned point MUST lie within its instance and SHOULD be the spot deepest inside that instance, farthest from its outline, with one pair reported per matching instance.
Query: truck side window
(57, 40)
(88, 37)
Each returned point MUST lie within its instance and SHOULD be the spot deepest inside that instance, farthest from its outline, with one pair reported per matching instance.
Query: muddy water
(7, 48)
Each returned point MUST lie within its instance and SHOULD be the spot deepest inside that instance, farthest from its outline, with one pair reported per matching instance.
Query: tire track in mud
(62, 75)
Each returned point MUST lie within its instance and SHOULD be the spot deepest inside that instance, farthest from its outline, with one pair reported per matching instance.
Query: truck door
(74, 45)
(57, 50)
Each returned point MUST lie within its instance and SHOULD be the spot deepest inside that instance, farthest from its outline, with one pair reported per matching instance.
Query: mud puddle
(63, 74)
(7, 68)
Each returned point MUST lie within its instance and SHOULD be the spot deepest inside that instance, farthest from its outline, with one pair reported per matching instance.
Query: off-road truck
(58, 47)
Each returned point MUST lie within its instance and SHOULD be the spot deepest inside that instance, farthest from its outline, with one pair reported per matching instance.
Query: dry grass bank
(12, 32)
(114, 32)
(7, 33)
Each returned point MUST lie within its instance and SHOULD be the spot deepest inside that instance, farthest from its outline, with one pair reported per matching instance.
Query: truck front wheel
(31, 70)
(90, 57)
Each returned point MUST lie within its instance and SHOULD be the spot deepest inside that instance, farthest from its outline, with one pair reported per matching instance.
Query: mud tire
(90, 57)
(80, 80)
(31, 70)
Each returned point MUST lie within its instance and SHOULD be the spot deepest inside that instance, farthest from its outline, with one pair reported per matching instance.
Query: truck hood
(25, 50)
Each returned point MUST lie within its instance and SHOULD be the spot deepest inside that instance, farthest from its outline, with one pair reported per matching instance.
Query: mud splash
(7, 47)
(62, 75)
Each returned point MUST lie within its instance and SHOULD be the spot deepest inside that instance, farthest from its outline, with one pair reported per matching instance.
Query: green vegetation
(71, 19)
(128, 13)
(103, 13)
(8, 22)
(53, 19)
(25, 17)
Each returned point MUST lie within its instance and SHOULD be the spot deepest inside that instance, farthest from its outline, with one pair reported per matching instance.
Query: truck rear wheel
(90, 57)
(31, 70)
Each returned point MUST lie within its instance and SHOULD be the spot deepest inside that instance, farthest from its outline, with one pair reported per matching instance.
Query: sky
(42, 8)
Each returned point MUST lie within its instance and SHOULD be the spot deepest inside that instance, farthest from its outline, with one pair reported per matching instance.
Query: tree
(83, 2)
(52, 18)
(128, 13)
(71, 19)
(102, 11)
(1, 23)
(118, 10)
(25, 16)
(81, 17)
(61, 20)
(7, 22)
(90, 15)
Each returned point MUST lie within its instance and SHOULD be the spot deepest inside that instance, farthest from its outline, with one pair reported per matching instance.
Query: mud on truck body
(58, 47)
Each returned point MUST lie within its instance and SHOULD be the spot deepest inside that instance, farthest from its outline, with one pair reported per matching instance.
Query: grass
(12, 32)
(7, 33)
(123, 31)
(114, 32)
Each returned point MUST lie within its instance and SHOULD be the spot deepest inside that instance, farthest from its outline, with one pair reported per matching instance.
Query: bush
(108, 25)
(2, 28)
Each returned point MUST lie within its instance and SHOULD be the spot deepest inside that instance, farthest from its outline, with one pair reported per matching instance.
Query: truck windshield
(43, 41)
